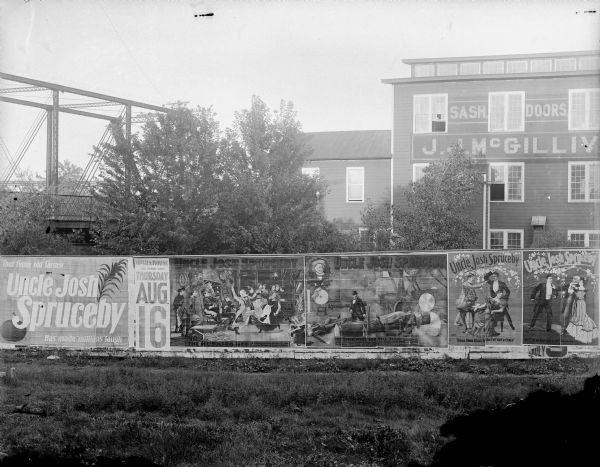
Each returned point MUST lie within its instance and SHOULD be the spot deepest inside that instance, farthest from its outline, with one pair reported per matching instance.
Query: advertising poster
(237, 301)
(561, 297)
(376, 300)
(64, 302)
(485, 297)
(150, 298)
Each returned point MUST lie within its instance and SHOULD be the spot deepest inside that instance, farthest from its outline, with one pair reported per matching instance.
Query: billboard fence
(424, 300)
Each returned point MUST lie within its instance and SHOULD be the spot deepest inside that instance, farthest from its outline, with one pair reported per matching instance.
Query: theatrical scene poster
(561, 297)
(376, 300)
(485, 297)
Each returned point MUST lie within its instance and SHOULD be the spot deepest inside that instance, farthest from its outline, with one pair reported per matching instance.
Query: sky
(327, 57)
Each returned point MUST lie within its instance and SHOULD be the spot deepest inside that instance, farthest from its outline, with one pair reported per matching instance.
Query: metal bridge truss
(77, 204)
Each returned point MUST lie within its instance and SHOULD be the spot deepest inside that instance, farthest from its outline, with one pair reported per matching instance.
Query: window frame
(505, 233)
(587, 164)
(312, 172)
(415, 165)
(587, 117)
(505, 177)
(430, 100)
(362, 200)
(506, 95)
(586, 238)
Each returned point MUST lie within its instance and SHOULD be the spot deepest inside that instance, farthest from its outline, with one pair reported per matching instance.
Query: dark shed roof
(349, 145)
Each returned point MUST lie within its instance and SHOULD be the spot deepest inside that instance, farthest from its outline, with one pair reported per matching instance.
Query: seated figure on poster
(268, 317)
(497, 302)
(481, 320)
(211, 308)
(259, 296)
(580, 326)
(467, 300)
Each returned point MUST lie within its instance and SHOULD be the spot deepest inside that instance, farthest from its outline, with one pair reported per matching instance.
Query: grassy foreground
(257, 412)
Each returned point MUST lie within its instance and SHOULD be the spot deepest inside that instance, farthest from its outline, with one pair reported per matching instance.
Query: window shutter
(577, 110)
(514, 117)
(496, 112)
(421, 114)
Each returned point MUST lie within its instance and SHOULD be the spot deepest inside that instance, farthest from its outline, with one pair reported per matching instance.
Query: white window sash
(425, 108)
(586, 235)
(504, 172)
(505, 233)
(506, 111)
(352, 172)
(587, 182)
(588, 100)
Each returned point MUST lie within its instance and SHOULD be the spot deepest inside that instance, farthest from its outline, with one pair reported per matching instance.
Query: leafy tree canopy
(436, 215)
(182, 187)
(25, 229)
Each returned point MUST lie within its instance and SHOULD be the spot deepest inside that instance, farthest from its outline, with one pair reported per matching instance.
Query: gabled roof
(349, 145)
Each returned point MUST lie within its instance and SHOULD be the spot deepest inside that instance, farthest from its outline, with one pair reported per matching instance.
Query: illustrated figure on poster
(497, 302)
(210, 304)
(467, 300)
(580, 326)
(542, 294)
(357, 307)
(269, 315)
(181, 307)
(245, 306)
(568, 295)
(178, 308)
(406, 320)
(319, 329)
(319, 272)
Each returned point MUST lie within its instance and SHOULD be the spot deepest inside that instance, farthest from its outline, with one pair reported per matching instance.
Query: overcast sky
(327, 57)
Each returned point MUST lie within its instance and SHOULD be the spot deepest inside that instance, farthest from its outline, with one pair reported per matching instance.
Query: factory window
(584, 181)
(584, 109)
(506, 239)
(584, 238)
(506, 111)
(507, 182)
(430, 113)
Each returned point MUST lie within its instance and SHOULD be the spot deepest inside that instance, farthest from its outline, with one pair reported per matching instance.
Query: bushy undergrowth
(195, 413)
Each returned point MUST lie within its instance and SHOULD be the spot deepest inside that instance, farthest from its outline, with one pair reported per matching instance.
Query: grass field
(257, 412)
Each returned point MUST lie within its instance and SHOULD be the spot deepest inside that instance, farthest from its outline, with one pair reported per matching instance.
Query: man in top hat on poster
(357, 307)
(542, 294)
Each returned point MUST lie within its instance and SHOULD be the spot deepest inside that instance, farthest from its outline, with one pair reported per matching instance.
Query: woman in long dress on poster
(581, 327)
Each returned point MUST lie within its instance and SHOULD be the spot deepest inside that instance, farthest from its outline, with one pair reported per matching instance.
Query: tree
(268, 206)
(377, 218)
(181, 187)
(551, 239)
(24, 226)
(159, 191)
(436, 215)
